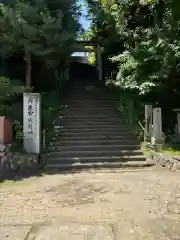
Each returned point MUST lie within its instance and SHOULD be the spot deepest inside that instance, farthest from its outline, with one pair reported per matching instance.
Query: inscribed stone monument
(31, 122)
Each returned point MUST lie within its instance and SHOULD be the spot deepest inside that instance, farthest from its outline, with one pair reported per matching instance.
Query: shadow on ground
(39, 171)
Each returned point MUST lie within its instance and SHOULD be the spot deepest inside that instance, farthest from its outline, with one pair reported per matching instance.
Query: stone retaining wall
(167, 160)
(19, 163)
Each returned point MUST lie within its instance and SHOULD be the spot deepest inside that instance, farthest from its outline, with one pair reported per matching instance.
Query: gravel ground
(141, 204)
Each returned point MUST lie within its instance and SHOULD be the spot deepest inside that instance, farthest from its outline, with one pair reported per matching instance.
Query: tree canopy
(42, 28)
(147, 32)
(141, 49)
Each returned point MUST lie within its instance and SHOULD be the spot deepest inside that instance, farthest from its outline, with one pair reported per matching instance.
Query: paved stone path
(73, 232)
(127, 205)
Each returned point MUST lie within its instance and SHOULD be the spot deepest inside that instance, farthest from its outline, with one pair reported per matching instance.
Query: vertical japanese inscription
(35, 114)
(30, 115)
(31, 122)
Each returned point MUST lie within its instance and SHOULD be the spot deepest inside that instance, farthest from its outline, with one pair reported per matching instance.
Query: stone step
(130, 164)
(85, 124)
(78, 123)
(73, 160)
(81, 134)
(90, 105)
(92, 121)
(91, 117)
(91, 109)
(96, 147)
(89, 125)
(95, 153)
(95, 134)
(91, 128)
(68, 142)
(87, 98)
(93, 93)
(92, 137)
(69, 124)
(93, 131)
(88, 128)
(90, 112)
(92, 102)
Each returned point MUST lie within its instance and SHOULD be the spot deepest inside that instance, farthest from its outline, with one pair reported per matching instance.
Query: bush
(10, 93)
(50, 107)
(11, 103)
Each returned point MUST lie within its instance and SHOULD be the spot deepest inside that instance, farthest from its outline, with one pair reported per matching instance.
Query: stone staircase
(91, 133)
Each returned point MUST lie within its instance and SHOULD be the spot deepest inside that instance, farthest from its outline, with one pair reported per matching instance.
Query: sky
(84, 22)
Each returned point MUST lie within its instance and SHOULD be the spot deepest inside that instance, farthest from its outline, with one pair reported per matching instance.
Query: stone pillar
(157, 137)
(148, 123)
(66, 73)
(32, 122)
(99, 60)
(178, 120)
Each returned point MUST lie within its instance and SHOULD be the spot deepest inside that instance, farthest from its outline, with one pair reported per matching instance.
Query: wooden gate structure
(81, 47)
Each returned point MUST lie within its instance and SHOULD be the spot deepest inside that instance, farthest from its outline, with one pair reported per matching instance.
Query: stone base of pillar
(147, 139)
(157, 143)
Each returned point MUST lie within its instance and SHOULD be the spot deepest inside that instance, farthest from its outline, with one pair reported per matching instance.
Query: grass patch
(170, 150)
(145, 148)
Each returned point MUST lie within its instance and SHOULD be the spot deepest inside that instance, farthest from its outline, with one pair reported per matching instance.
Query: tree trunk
(28, 69)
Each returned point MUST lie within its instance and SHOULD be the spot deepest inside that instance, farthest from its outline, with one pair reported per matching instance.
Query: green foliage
(87, 36)
(18, 131)
(92, 58)
(40, 28)
(149, 31)
(50, 108)
(132, 107)
(9, 90)
(141, 38)
(10, 103)
(40, 31)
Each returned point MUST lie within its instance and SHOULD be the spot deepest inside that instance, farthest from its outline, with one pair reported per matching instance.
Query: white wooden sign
(32, 122)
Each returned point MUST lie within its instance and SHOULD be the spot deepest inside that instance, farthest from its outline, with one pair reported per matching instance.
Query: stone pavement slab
(14, 232)
(70, 232)
(151, 229)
